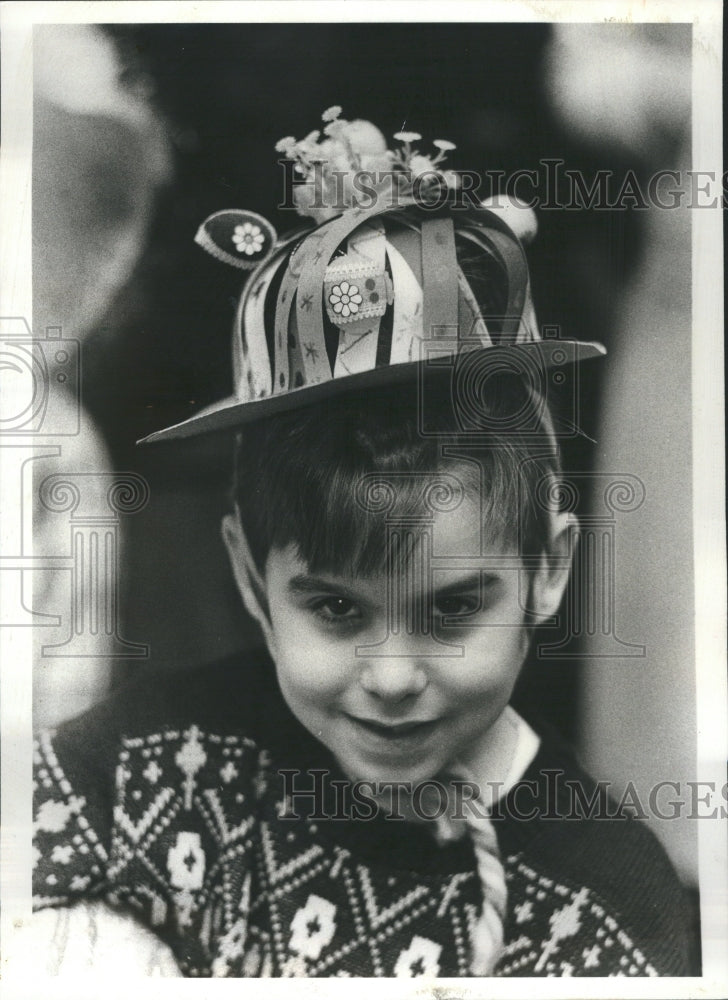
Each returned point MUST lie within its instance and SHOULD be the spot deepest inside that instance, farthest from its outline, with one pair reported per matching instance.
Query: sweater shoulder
(569, 837)
(236, 693)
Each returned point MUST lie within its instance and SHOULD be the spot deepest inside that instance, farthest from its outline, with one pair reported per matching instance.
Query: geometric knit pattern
(196, 843)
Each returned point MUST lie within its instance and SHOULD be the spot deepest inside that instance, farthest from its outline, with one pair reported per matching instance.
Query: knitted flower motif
(186, 861)
(248, 239)
(53, 816)
(312, 928)
(345, 299)
(420, 959)
(62, 854)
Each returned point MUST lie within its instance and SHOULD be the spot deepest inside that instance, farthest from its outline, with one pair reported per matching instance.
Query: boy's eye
(457, 604)
(336, 609)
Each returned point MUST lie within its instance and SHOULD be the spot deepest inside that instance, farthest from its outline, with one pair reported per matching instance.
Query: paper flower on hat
(351, 166)
(236, 237)
(345, 299)
(248, 238)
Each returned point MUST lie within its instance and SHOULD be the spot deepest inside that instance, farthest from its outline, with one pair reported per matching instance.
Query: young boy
(359, 798)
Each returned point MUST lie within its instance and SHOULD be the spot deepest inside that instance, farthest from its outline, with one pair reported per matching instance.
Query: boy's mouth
(395, 731)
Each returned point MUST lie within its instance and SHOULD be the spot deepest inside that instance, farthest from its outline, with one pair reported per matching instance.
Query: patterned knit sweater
(168, 800)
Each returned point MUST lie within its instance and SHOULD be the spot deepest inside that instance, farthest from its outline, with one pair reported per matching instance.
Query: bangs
(333, 479)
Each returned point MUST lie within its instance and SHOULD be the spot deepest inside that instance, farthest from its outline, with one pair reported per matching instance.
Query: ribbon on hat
(407, 319)
(251, 361)
(300, 358)
(508, 251)
(313, 268)
(284, 305)
(440, 286)
(359, 333)
(473, 329)
(237, 237)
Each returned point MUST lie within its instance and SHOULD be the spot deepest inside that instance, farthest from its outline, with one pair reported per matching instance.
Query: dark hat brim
(231, 413)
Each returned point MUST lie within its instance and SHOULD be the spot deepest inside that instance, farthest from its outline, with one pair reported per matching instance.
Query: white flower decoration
(53, 816)
(248, 239)
(422, 958)
(285, 145)
(312, 928)
(345, 299)
(62, 854)
(347, 148)
(186, 862)
(420, 165)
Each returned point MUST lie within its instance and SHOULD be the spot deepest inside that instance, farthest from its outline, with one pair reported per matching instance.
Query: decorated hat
(396, 275)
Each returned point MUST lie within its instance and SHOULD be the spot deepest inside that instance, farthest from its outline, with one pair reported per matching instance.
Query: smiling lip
(396, 731)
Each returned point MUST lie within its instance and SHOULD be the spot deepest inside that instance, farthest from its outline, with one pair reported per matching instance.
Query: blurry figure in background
(100, 153)
(631, 90)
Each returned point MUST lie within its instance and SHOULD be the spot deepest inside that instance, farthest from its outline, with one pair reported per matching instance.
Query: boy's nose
(394, 678)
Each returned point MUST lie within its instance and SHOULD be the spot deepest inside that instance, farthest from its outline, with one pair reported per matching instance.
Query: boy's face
(400, 673)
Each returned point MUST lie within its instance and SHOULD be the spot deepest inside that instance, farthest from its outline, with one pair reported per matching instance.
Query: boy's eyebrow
(470, 582)
(303, 583)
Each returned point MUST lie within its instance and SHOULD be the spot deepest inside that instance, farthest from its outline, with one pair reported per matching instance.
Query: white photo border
(708, 472)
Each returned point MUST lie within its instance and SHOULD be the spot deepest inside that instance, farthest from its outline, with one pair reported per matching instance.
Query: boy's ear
(551, 577)
(249, 581)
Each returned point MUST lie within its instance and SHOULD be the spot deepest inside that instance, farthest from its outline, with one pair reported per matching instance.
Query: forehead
(458, 530)
(447, 542)
(446, 511)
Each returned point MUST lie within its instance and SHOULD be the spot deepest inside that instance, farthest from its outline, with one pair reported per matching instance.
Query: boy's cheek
(483, 682)
(309, 670)
(295, 639)
(494, 651)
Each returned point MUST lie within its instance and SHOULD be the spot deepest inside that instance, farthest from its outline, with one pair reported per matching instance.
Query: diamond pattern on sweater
(204, 856)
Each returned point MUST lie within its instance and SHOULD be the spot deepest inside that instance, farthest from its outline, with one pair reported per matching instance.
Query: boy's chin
(410, 774)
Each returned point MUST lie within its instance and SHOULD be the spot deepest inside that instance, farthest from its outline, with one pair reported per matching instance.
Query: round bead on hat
(376, 287)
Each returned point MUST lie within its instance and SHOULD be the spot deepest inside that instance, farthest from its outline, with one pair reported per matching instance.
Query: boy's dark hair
(298, 475)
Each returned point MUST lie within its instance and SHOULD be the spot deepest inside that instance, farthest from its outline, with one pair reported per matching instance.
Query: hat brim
(231, 413)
